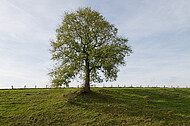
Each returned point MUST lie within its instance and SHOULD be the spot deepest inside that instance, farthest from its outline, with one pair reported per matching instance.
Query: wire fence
(103, 86)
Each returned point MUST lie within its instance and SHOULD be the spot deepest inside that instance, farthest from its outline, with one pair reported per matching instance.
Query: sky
(158, 32)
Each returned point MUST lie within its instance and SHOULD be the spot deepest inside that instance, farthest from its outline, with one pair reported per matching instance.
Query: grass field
(104, 106)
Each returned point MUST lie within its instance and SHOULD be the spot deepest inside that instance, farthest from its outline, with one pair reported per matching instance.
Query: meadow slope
(104, 106)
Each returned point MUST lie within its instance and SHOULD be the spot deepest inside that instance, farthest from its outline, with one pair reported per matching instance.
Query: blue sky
(158, 31)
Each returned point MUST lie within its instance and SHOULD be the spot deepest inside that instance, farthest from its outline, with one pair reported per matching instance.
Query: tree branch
(79, 35)
(101, 43)
(94, 67)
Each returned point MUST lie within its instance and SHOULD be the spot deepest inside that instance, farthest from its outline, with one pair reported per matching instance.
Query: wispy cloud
(155, 18)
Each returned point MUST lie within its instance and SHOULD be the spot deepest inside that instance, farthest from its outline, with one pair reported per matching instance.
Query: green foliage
(87, 44)
(104, 106)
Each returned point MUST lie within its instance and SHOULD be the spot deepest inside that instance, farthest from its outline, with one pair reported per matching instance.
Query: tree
(87, 46)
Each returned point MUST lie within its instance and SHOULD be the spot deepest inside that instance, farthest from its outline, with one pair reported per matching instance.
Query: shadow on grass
(160, 105)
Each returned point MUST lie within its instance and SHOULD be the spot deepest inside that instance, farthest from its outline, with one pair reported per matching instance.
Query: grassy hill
(105, 106)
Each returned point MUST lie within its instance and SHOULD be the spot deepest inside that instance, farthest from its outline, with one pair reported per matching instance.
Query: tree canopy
(87, 46)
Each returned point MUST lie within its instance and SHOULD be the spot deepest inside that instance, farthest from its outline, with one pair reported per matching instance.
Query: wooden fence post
(12, 86)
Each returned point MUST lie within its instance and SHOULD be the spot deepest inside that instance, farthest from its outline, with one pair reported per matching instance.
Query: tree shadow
(153, 104)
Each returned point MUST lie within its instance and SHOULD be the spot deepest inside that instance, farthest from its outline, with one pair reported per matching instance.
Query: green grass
(104, 106)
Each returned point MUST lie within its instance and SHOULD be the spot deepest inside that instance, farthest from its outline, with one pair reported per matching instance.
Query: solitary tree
(87, 46)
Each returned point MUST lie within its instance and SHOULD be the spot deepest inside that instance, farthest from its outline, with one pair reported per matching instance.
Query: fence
(104, 86)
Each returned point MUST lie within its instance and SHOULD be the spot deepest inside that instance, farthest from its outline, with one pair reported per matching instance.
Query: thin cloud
(9, 4)
(156, 17)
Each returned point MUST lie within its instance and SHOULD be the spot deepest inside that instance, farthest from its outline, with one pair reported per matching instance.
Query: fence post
(46, 86)
(12, 86)
(118, 85)
(24, 86)
(35, 86)
(164, 86)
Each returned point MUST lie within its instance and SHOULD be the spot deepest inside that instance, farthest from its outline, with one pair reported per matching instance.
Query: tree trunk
(87, 79)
